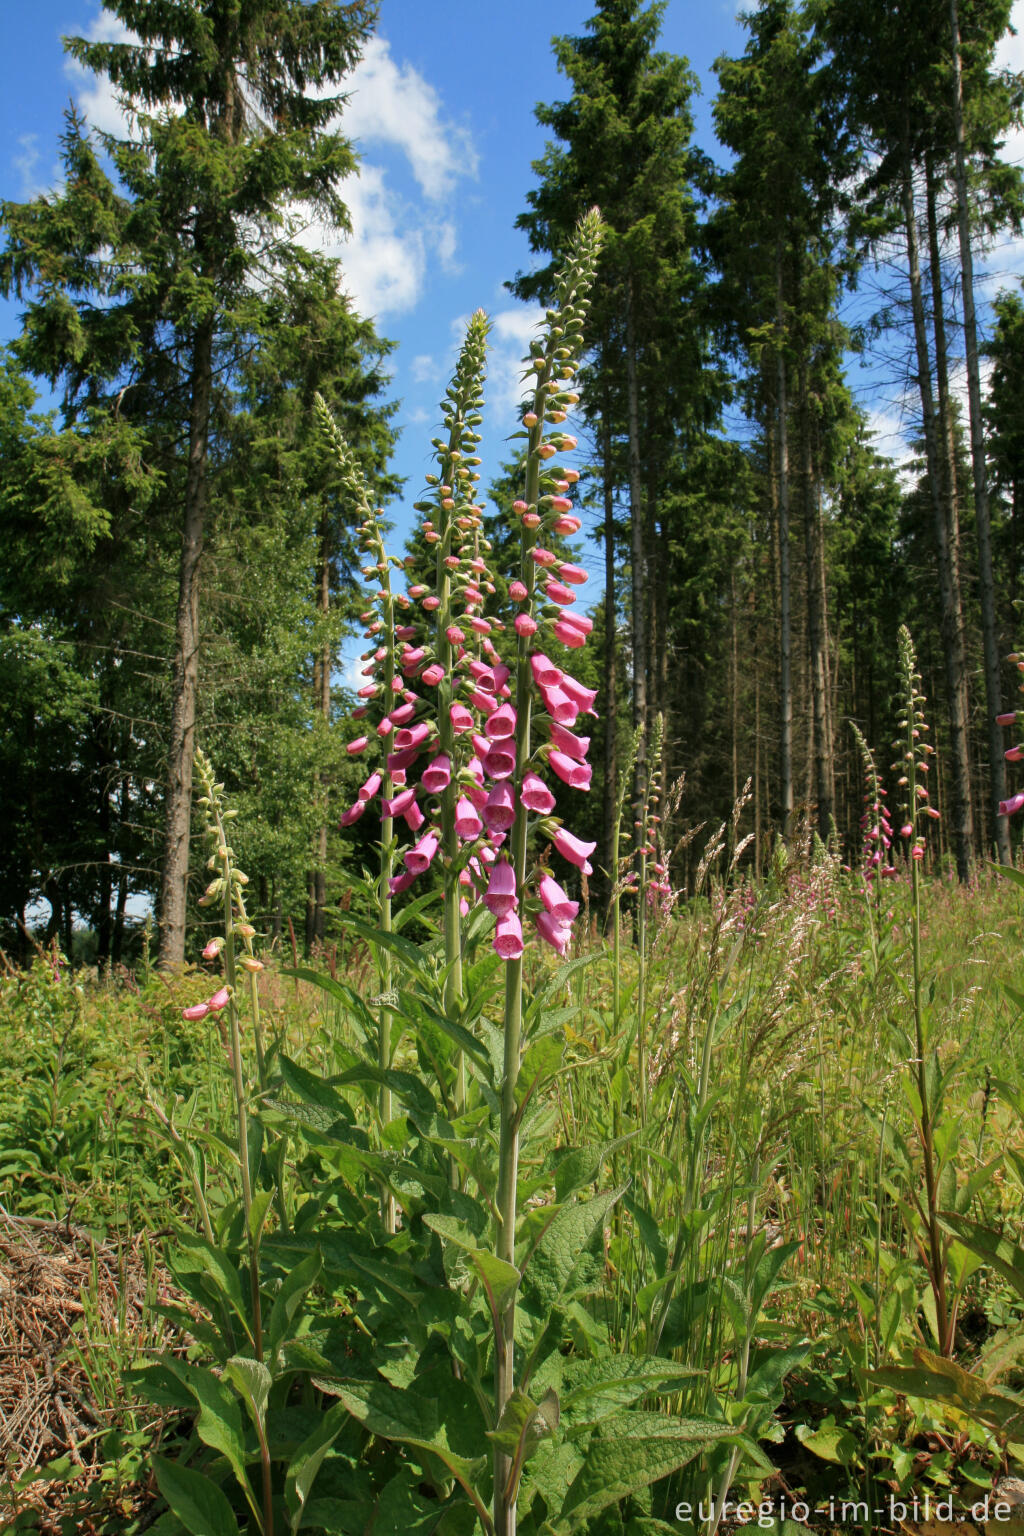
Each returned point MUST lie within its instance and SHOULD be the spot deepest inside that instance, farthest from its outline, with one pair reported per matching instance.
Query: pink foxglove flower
(572, 573)
(1008, 719)
(370, 788)
(500, 896)
(517, 592)
(398, 804)
(1012, 806)
(418, 859)
(584, 697)
(578, 621)
(212, 949)
(535, 794)
(399, 883)
(556, 901)
(558, 935)
(560, 705)
(545, 673)
(437, 775)
(500, 759)
(413, 817)
(461, 718)
(568, 635)
(467, 819)
(359, 745)
(219, 1000)
(576, 774)
(500, 810)
(432, 675)
(559, 594)
(352, 815)
(502, 722)
(508, 937)
(565, 741)
(572, 848)
(197, 1011)
(524, 625)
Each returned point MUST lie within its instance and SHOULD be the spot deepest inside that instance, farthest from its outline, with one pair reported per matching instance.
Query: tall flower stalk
(544, 506)
(913, 767)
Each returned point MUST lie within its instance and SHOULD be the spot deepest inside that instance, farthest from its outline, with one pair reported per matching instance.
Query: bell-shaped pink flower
(370, 788)
(432, 675)
(437, 775)
(535, 794)
(524, 625)
(482, 675)
(418, 859)
(558, 935)
(502, 722)
(508, 937)
(556, 901)
(413, 817)
(399, 883)
(413, 736)
(461, 718)
(1012, 806)
(398, 804)
(467, 818)
(1008, 719)
(403, 713)
(584, 697)
(572, 848)
(219, 1000)
(197, 1011)
(565, 741)
(545, 673)
(567, 522)
(352, 815)
(500, 896)
(485, 702)
(212, 949)
(517, 592)
(560, 705)
(573, 573)
(578, 621)
(568, 635)
(500, 758)
(500, 809)
(359, 745)
(576, 774)
(559, 594)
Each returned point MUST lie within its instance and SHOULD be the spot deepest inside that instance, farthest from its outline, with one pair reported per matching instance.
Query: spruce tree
(149, 288)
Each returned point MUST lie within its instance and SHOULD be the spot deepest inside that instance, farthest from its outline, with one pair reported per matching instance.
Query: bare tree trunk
(184, 686)
(986, 585)
(611, 763)
(785, 635)
(637, 518)
(817, 628)
(952, 616)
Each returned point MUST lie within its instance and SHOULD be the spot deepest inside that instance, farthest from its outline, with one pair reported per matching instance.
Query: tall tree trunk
(952, 616)
(986, 585)
(817, 625)
(611, 756)
(184, 686)
(638, 552)
(785, 635)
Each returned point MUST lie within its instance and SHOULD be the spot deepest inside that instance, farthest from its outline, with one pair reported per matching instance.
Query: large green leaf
(307, 1461)
(553, 1265)
(296, 1283)
(940, 1380)
(594, 1388)
(197, 1501)
(1000, 1252)
(253, 1381)
(632, 1451)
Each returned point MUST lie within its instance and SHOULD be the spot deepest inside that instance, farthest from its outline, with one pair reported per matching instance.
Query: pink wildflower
(535, 794)
(437, 775)
(418, 859)
(1012, 806)
(565, 741)
(502, 722)
(508, 937)
(467, 820)
(558, 935)
(556, 901)
(576, 774)
(500, 896)
(524, 625)
(572, 848)
(500, 809)
(359, 745)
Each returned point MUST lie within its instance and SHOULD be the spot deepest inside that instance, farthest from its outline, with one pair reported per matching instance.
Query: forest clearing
(475, 1059)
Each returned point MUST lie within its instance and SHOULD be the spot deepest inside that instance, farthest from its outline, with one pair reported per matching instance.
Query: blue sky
(442, 111)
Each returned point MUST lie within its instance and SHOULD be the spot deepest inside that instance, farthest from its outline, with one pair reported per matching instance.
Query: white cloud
(392, 104)
(424, 369)
(1010, 55)
(392, 109)
(94, 94)
(26, 164)
(512, 330)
